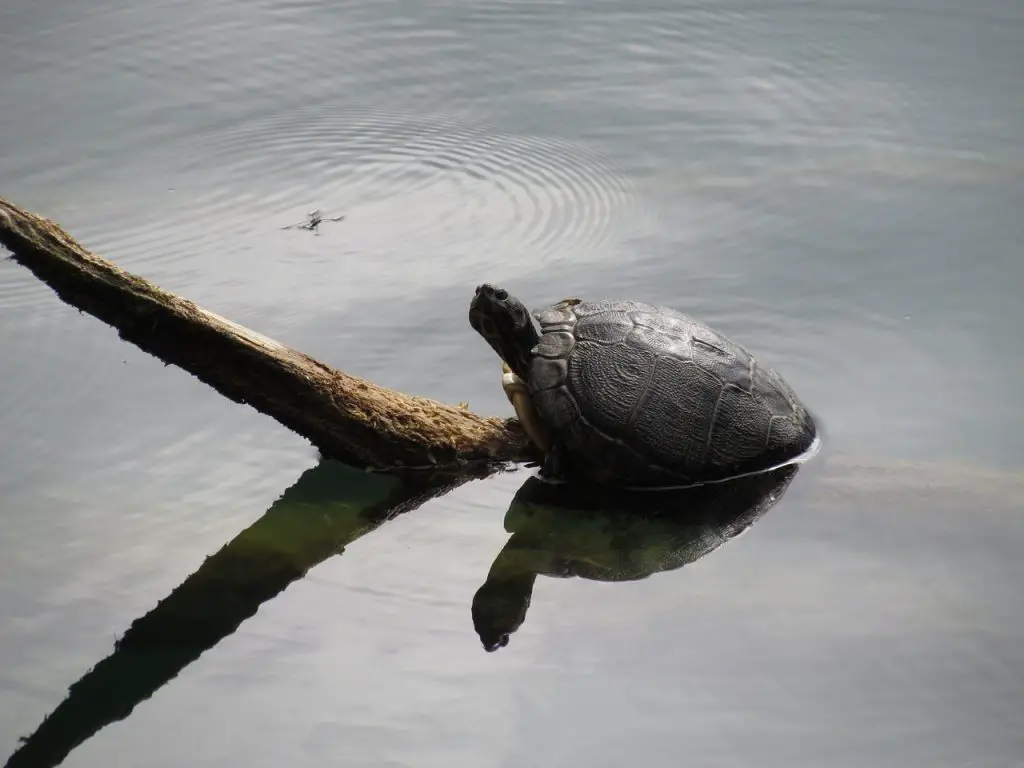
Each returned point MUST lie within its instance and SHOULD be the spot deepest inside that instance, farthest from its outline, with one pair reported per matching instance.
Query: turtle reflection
(564, 531)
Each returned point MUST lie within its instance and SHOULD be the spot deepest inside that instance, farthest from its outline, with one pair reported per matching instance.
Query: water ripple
(428, 201)
(542, 192)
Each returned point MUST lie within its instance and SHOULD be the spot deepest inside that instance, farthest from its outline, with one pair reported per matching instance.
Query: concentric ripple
(439, 192)
(428, 201)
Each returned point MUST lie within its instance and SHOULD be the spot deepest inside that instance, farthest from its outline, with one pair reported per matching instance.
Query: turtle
(636, 395)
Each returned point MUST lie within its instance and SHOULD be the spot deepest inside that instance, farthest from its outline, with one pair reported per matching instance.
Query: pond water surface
(838, 186)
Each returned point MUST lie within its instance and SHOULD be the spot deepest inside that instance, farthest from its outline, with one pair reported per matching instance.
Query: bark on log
(345, 417)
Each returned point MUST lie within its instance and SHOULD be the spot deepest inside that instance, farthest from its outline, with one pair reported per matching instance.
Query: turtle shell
(643, 395)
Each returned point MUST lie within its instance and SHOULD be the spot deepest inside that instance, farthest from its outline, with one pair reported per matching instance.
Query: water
(836, 185)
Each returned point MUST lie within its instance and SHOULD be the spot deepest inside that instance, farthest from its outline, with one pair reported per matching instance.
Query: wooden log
(346, 417)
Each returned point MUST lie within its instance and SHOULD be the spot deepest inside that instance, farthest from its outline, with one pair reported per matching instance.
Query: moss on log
(346, 417)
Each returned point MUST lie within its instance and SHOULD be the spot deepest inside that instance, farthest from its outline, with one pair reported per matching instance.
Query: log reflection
(330, 506)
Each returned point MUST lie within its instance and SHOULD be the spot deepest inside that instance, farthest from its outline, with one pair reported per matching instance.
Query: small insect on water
(313, 221)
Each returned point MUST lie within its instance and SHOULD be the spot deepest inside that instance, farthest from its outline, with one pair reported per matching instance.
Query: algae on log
(347, 418)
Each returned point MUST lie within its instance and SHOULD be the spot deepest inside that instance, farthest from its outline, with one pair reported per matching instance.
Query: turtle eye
(501, 294)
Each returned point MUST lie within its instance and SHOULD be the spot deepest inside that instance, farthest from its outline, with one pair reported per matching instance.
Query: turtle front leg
(519, 395)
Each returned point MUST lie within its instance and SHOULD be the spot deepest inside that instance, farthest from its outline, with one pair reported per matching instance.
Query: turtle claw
(555, 462)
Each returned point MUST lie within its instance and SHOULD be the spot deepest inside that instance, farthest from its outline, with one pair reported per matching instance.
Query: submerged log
(346, 417)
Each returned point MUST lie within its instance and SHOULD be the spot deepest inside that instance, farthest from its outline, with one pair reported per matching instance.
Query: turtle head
(506, 325)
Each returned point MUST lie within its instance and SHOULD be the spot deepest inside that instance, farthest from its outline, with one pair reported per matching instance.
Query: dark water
(837, 185)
